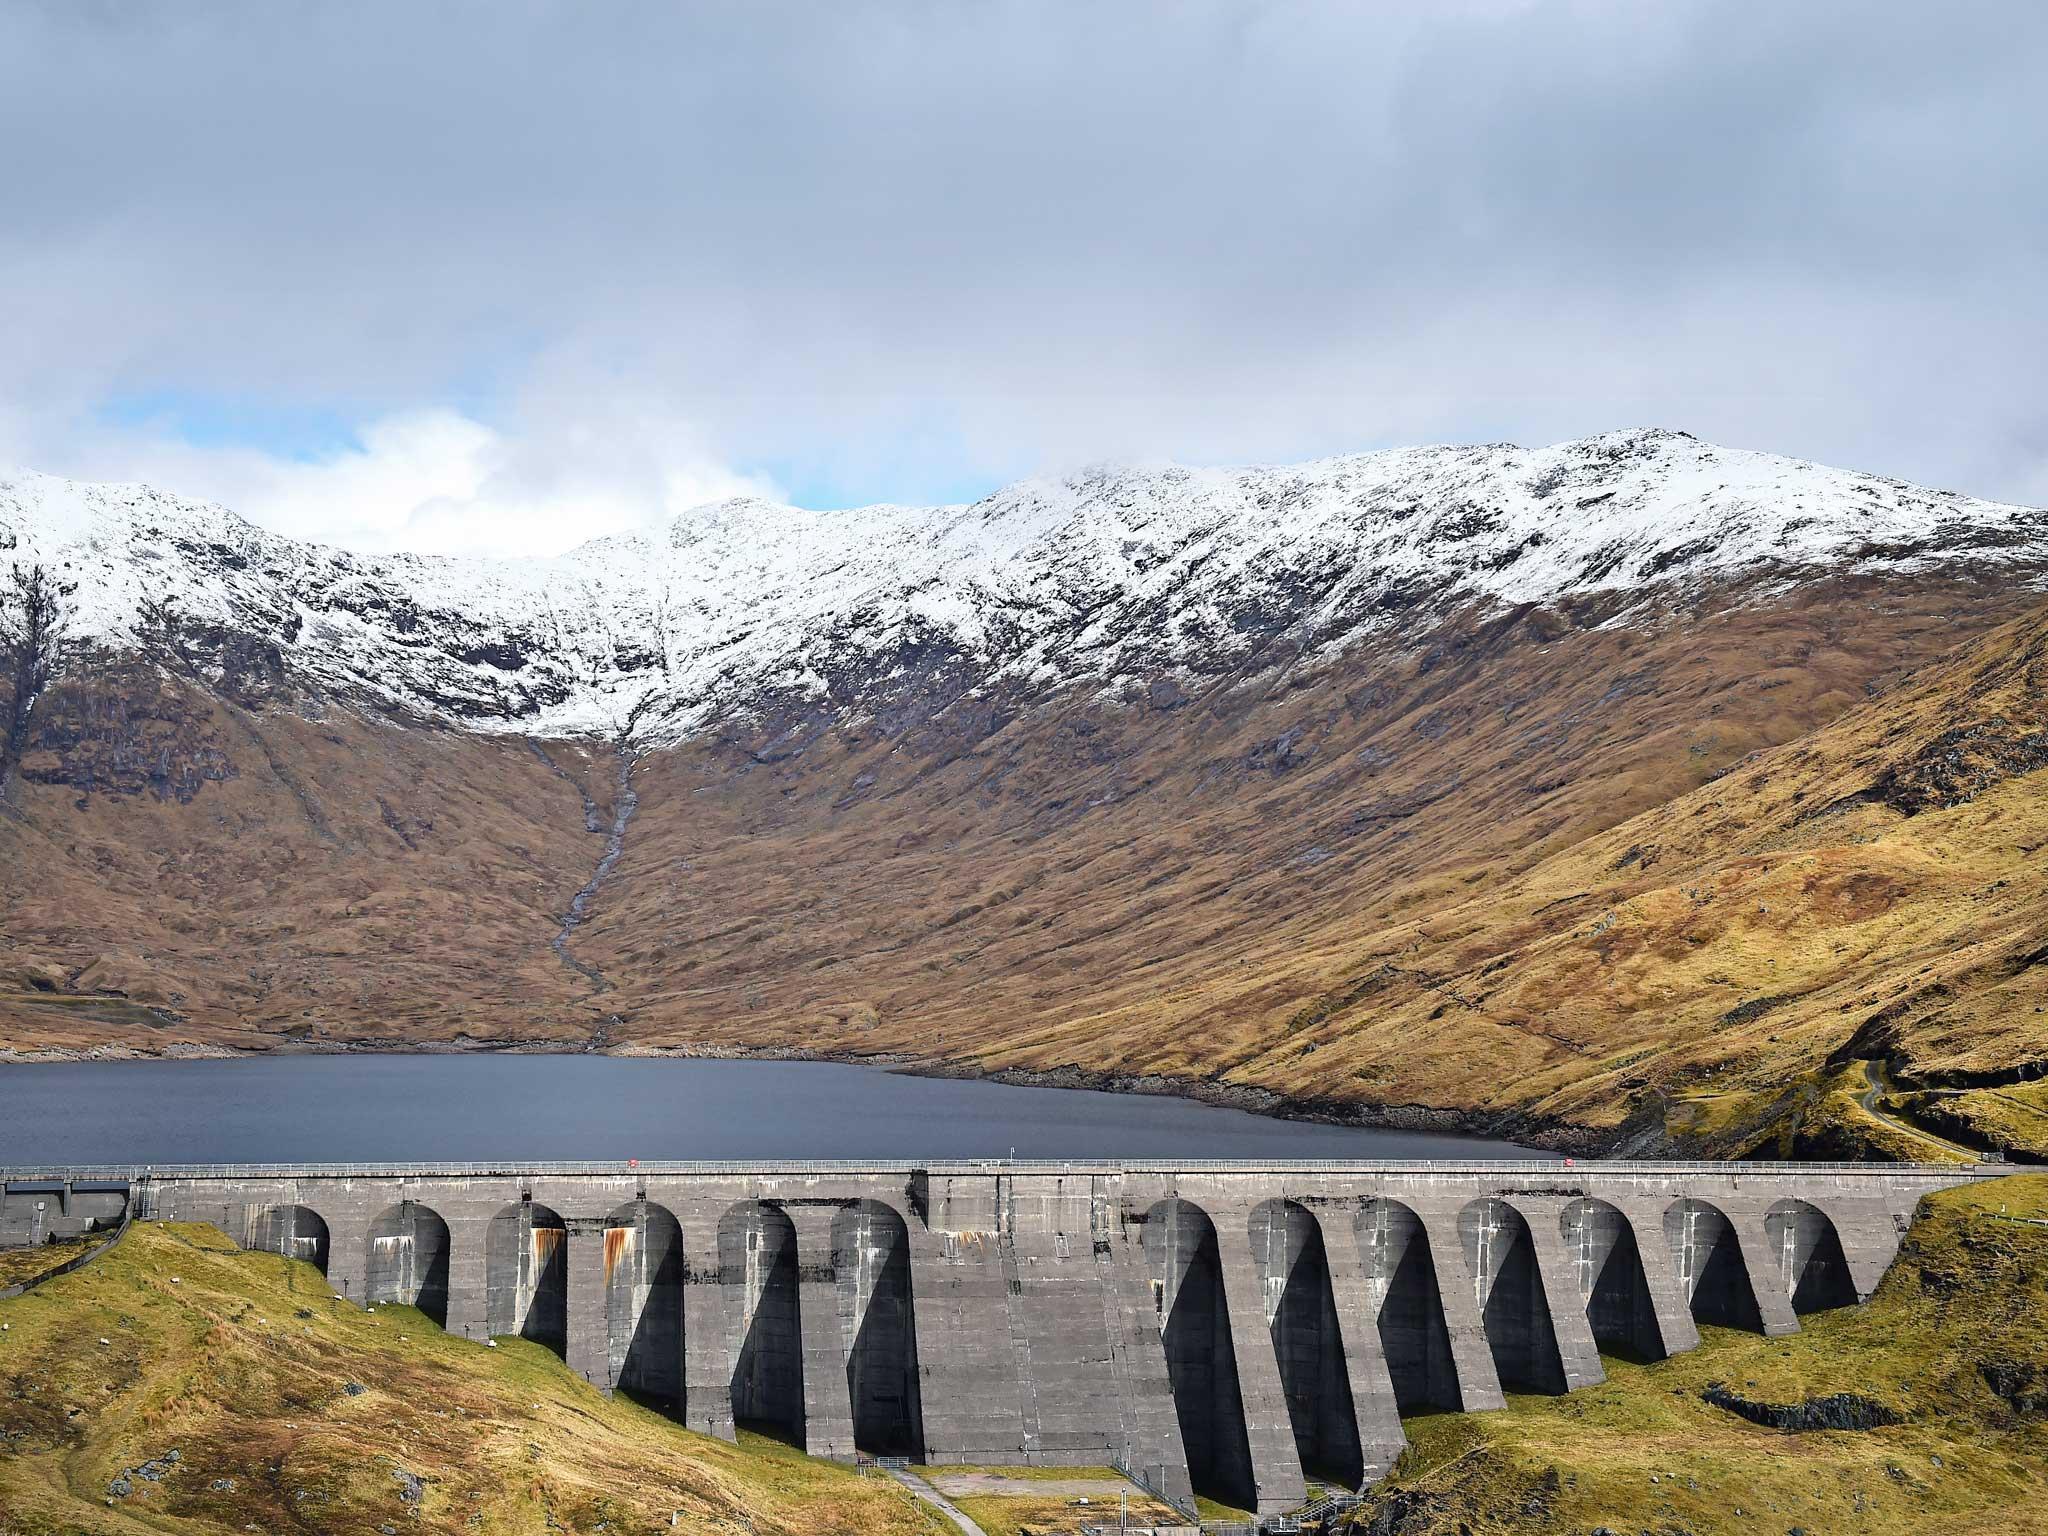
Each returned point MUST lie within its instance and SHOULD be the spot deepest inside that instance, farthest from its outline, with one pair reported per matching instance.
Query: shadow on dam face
(1514, 1309)
(296, 1231)
(1616, 1293)
(757, 1263)
(1708, 1258)
(643, 1282)
(1185, 1265)
(1400, 1276)
(1808, 1257)
(871, 1258)
(1308, 1345)
(526, 1269)
(408, 1260)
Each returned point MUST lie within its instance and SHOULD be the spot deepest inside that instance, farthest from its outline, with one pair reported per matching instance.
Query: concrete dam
(1234, 1328)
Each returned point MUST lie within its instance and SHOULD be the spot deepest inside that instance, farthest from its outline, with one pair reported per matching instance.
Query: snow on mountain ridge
(1107, 574)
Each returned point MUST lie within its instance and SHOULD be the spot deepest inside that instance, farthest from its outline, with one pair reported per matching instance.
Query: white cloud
(437, 482)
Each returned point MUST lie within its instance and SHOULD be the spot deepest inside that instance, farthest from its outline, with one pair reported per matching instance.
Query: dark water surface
(477, 1108)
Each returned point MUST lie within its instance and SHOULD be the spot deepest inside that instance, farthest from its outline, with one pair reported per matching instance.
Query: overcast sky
(502, 276)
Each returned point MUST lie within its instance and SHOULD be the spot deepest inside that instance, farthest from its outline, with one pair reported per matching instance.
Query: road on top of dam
(477, 1107)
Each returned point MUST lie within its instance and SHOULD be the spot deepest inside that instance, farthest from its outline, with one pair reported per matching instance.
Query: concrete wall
(1231, 1328)
(36, 1210)
(407, 1260)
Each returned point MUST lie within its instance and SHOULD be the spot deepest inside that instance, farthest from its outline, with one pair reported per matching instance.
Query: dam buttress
(1232, 1328)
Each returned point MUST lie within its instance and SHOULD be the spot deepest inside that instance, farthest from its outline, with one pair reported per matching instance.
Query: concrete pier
(1230, 1328)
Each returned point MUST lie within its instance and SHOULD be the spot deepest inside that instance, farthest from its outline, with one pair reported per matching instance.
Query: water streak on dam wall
(1230, 1327)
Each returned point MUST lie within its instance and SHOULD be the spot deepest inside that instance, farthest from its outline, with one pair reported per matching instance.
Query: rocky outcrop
(1837, 1410)
(110, 727)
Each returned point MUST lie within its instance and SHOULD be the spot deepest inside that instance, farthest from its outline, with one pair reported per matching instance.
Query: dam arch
(295, 1231)
(1508, 1289)
(1400, 1276)
(408, 1259)
(1806, 1251)
(526, 1276)
(1613, 1287)
(1300, 1306)
(757, 1265)
(1185, 1266)
(1706, 1253)
(871, 1260)
(643, 1296)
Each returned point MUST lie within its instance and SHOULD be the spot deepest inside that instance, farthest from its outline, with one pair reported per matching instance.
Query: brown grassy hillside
(182, 868)
(1875, 889)
(1532, 867)
(1432, 903)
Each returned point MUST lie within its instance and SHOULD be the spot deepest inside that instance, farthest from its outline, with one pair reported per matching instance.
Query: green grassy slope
(1954, 1344)
(18, 1266)
(289, 1410)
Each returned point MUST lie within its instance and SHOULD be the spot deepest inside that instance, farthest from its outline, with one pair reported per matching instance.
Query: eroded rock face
(112, 727)
(1961, 764)
(2021, 1385)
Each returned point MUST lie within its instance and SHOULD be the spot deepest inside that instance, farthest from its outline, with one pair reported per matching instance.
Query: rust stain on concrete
(618, 1242)
(546, 1240)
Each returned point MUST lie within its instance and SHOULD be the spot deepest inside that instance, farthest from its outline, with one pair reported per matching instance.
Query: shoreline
(1523, 1130)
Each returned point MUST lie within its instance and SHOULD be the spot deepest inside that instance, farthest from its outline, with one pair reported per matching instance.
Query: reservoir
(481, 1108)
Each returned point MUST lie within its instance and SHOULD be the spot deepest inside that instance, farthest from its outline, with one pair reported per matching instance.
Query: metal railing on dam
(631, 1167)
(1234, 1326)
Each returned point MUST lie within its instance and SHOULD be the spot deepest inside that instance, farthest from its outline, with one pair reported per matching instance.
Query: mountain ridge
(742, 609)
(1186, 814)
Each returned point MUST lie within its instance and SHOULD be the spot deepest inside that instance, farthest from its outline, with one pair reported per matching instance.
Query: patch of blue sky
(826, 485)
(294, 430)
(922, 458)
(308, 430)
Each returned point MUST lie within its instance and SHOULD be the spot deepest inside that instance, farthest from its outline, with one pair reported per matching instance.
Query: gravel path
(937, 1500)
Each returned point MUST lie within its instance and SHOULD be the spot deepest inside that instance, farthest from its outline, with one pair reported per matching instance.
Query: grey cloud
(1027, 234)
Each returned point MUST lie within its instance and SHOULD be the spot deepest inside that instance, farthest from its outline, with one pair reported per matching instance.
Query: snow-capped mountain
(1107, 578)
